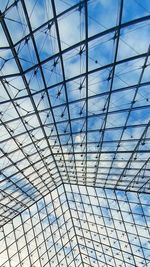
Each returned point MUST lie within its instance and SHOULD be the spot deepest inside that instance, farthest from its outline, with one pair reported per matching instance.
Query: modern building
(74, 133)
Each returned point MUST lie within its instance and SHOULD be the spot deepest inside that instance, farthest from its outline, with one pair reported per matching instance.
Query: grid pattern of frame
(80, 226)
(112, 227)
(74, 114)
(69, 112)
(41, 236)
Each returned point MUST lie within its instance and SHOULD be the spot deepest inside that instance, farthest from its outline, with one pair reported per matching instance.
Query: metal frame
(61, 141)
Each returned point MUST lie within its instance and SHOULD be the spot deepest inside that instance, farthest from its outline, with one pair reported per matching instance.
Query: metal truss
(74, 116)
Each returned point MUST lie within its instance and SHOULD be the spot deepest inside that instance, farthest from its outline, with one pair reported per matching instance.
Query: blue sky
(27, 146)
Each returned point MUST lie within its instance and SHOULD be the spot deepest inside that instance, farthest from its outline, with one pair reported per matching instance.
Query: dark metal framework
(74, 117)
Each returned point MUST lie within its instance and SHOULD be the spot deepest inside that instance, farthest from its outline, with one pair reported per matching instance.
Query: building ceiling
(74, 111)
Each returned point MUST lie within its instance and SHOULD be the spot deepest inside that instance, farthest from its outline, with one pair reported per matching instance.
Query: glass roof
(75, 116)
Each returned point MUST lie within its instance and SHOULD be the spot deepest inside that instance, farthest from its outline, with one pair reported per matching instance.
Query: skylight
(74, 116)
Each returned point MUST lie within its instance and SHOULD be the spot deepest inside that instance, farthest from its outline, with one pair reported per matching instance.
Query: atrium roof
(75, 130)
